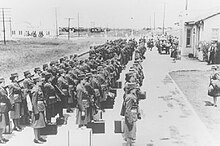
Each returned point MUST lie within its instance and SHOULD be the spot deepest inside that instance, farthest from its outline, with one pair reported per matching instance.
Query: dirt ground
(25, 54)
(194, 84)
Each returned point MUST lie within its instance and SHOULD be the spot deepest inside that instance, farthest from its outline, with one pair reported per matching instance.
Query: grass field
(25, 54)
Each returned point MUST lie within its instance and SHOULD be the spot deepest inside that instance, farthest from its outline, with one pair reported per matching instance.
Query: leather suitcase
(49, 130)
(97, 126)
(108, 104)
(118, 126)
(142, 95)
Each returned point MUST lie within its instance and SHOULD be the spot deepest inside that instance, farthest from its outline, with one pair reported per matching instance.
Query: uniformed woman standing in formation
(131, 112)
(15, 99)
(83, 114)
(5, 106)
(38, 109)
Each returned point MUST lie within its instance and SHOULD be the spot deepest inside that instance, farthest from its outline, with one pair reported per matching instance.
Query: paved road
(167, 117)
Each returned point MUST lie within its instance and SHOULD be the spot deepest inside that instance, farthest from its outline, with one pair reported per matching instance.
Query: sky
(100, 13)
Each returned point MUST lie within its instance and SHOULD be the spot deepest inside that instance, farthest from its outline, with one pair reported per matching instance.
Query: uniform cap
(26, 73)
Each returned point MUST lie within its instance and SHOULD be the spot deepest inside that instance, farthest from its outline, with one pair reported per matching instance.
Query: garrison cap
(26, 73)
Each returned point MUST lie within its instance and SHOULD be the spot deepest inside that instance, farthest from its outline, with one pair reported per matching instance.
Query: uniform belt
(64, 89)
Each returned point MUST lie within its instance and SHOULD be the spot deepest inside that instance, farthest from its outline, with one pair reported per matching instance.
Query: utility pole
(164, 16)
(3, 20)
(78, 24)
(56, 22)
(69, 27)
(10, 27)
(186, 7)
(154, 21)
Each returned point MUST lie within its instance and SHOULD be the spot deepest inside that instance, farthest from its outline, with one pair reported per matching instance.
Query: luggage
(108, 104)
(142, 95)
(49, 130)
(118, 126)
(97, 126)
(8, 128)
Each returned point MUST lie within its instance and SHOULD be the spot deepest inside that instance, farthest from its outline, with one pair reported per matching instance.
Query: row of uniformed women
(130, 108)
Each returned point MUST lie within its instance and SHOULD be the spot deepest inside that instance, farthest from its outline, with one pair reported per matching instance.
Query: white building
(197, 26)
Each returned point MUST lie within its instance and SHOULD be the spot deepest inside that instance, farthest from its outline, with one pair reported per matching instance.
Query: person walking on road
(212, 51)
(215, 83)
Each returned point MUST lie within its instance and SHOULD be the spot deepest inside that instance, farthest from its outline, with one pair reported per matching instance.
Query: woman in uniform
(38, 109)
(5, 106)
(131, 113)
(51, 97)
(15, 94)
(83, 113)
(215, 83)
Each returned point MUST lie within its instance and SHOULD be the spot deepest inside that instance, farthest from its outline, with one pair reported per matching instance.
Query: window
(13, 32)
(20, 32)
(188, 37)
(215, 33)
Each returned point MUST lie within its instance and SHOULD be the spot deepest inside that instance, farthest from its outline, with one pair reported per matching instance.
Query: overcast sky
(111, 13)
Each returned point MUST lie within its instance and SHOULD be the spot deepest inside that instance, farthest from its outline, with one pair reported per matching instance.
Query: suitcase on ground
(118, 126)
(50, 129)
(97, 126)
(142, 95)
(117, 85)
(8, 128)
(108, 104)
(24, 120)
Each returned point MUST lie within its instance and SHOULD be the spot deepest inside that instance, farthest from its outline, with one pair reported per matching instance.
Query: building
(196, 27)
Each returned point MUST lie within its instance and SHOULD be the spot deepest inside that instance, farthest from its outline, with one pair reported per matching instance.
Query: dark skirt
(40, 123)
(16, 114)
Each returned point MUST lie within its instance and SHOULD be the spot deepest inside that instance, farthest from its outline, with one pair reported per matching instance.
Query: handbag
(211, 90)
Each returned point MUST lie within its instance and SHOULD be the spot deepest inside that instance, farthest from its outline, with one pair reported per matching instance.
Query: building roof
(200, 15)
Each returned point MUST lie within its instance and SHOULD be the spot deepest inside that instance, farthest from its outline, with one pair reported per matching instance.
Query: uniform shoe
(5, 140)
(41, 139)
(17, 129)
(2, 141)
(38, 141)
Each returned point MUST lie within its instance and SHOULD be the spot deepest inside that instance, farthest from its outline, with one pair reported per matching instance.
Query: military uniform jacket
(50, 93)
(5, 104)
(63, 85)
(37, 99)
(15, 93)
(81, 94)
